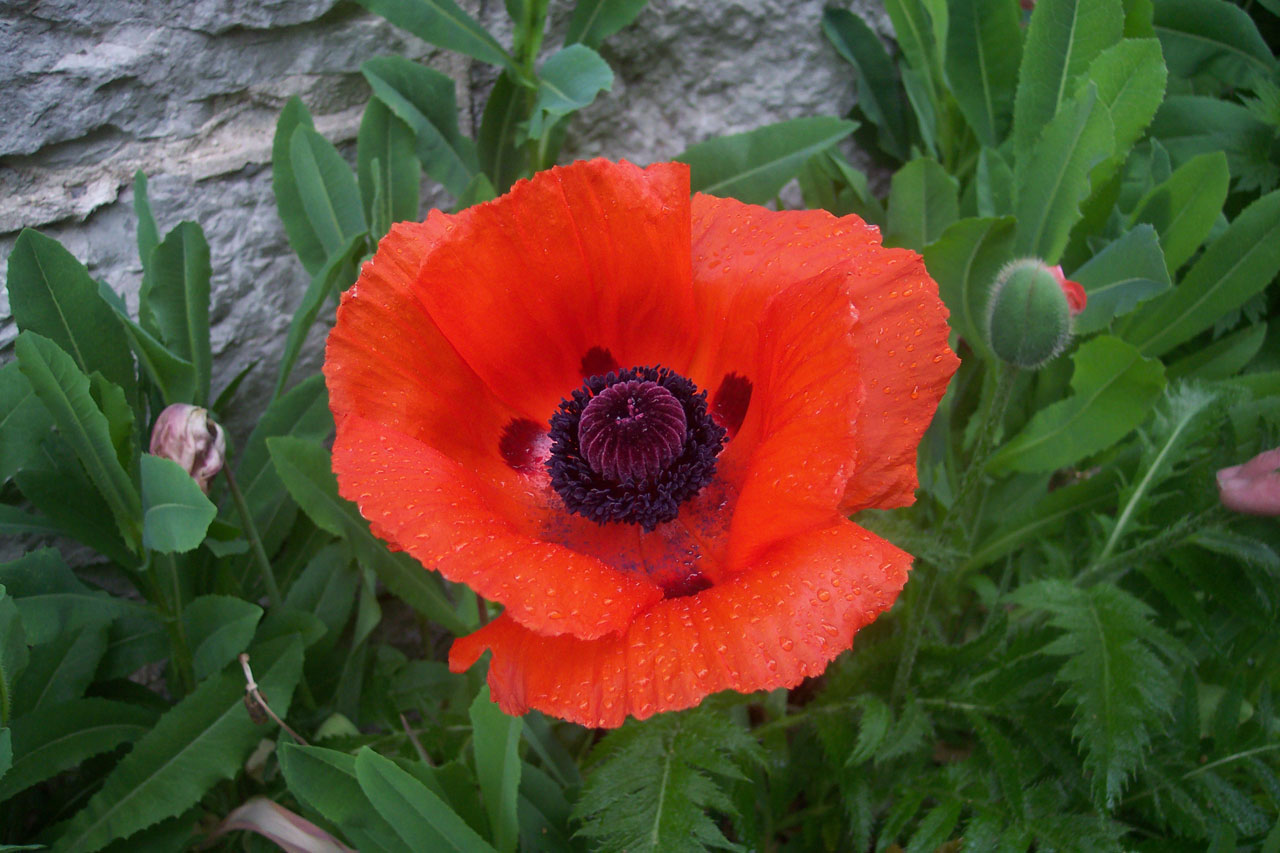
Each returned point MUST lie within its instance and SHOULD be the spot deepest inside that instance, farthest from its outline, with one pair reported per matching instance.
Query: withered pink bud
(185, 434)
(1254, 487)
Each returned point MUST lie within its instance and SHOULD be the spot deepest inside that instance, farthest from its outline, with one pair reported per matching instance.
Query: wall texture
(189, 93)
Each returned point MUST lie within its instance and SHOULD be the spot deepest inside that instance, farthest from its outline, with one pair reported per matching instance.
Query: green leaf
(425, 100)
(880, 94)
(654, 785)
(935, 827)
(64, 390)
(965, 261)
(305, 469)
(873, 728)
(1053, 179)
(148, 234)
(1237, 265)
(444, 24)
(1224, 358)
(60, 489)
(568, 81)
(1046, 516)
(111, 401)
(923, 201)
(1130, 76)
(1188, 125)
(502, 159)
(1212, 37)
(52, 294)
(1004, 760)
(135, 641)
(60, 671)
(994, 184)
(176, 294)
(325, 781)
(201, 741)
(15, 522)
(177, 513)
(984, 49)
(219, 627)
(13, 652)
(753, 166)
(419, 817)
(302, 237)
(24, 421)
(496, 741)
(385, 161)
(326, 588)
(1121, 689)
(6, 752)
(594, 21)
(53, 601)
(174, 378)
(1184, 207)
(338, 272)
(327, 189)
(1128, 271)
(920, 33)
(1113, 388)
(63, 736)
(1064, 36)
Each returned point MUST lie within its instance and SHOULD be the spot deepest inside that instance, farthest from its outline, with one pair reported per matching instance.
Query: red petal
(591, 255)
(447, 518)
(771, 626)
(743, 255)
(807, 395)
(388, 362)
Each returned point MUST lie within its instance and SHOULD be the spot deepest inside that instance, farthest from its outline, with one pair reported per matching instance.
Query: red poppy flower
(639, 421)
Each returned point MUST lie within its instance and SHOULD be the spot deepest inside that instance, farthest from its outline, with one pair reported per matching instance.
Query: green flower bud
(1028, 315)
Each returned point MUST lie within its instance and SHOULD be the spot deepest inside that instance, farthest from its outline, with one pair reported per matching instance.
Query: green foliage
(175, 513)
(653, 782)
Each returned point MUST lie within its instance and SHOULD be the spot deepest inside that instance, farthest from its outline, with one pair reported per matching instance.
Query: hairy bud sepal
(1029, 314)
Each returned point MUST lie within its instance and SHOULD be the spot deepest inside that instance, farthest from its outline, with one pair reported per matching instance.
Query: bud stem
(992, 419)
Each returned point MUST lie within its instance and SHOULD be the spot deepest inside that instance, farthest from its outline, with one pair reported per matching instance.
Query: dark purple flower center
(632, 445)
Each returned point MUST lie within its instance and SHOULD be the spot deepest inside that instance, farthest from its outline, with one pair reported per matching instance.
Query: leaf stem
(1172, 535)
(1204, 768)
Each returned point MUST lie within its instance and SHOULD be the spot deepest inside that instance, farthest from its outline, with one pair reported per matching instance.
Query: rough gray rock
(190, 92)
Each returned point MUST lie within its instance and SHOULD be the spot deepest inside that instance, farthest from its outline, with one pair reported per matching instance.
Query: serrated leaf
(921, 33)
(935, 827)
(325, 781)
(176, 513)
(284, 184)
(594, 21)
(1121, 689)
(199, 742)
(13, 652)
(1130, 76)
(569, 80)
(1237, 265)
(327, 589)
(1222, 359)
(502, 159)
(52, 294)
(993, 184)
(1129, 270)
(444, 24)
(419, 817)
(1064, 36)
(1052, 179)
(984, 49)
(496, 741)
(52, 600)
(305, 469)
(65, 735)
(59, 671)
(1184, 207)
(1004, 761)
(425, 100)
(653, 783)
(176, 293)
(1188, 125)
(387, 168)
(1113, 387)
(24, 421)
(923, 201)
(965, 260)
(753, 166)
(880, 93)
(148, 234)
(872, 728)
(218, 627)
(64, 390)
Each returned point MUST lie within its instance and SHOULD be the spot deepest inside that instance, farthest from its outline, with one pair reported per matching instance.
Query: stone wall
(189, 93)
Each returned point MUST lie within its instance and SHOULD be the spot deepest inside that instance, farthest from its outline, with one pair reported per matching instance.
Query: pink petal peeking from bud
(1254, 487)
(1076, 297)
(185, 434)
